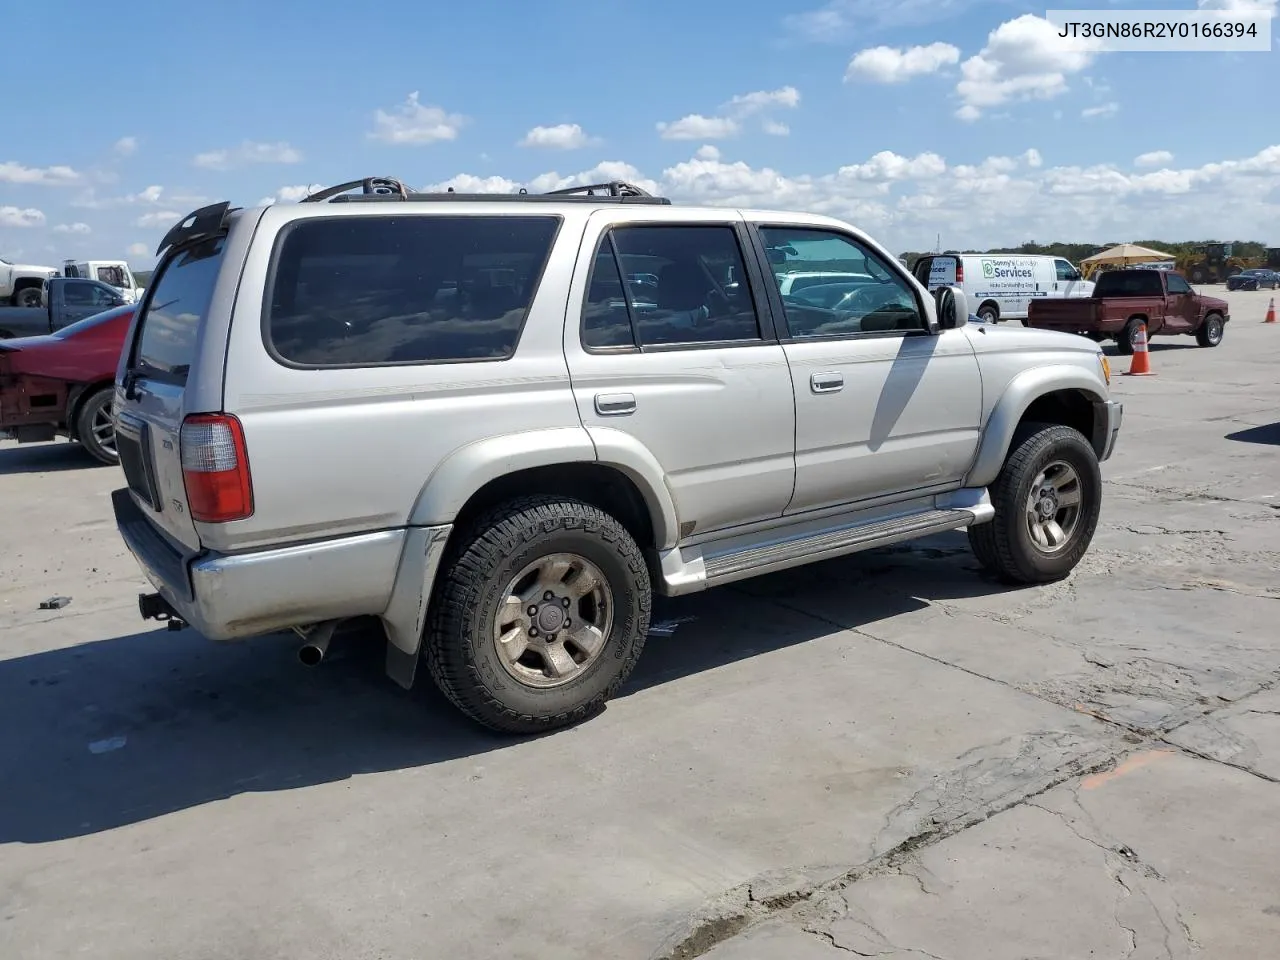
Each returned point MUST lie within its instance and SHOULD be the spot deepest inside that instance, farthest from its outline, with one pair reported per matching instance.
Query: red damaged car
(62, 384)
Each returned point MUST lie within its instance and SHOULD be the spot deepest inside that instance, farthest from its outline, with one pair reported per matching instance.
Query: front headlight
(1106, 366)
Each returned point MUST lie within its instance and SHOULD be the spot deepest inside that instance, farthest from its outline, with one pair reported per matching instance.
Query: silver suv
(499, 424)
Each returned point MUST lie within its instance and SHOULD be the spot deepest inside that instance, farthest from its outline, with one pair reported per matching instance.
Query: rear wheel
(541, 617)
(27, 297)
(1047, 499)
(1197, 275)
(1210, 332)
(1125, 338)
(95, 428)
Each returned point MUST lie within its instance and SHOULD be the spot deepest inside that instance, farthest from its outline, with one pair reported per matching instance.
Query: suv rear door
(150, 401)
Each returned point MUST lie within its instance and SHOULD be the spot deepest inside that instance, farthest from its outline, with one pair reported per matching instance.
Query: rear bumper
(1107, 416)
(232, 596)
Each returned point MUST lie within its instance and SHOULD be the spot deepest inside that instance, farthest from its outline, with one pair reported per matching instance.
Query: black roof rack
(205, 222)
(389, 189)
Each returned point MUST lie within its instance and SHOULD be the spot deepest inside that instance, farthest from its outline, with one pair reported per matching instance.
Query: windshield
(166, 342)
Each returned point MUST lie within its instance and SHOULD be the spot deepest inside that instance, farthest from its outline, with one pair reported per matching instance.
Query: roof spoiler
(206, 222)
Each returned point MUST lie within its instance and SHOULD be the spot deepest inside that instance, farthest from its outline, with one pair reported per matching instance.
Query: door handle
(826, 382)
(615, 404)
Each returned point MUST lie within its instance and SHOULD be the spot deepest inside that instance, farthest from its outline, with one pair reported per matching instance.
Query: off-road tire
(1210, 332)
(458, 646)
(27, 297)
(87, 412)
(1003, 544)
(1124, 339)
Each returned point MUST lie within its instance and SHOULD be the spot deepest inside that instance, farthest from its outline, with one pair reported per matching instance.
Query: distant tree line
(1075, 252)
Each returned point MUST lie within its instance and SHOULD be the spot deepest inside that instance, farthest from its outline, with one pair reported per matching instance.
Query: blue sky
(909, 118)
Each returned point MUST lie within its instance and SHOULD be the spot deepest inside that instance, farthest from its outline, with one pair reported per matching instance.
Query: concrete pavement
(888, 754)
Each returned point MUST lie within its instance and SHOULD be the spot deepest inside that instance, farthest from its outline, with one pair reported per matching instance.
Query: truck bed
(1090, 314)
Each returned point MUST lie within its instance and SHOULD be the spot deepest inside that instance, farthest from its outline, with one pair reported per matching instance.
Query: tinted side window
(683, 285)
(606, 321)
(79, 294)
(863, 294)
(176, 308)
(1177, 284)
(417, 289)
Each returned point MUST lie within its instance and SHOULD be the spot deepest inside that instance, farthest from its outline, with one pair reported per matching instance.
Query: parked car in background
(62, 302)
(61, 384)
(1003, 286)
(1257, 278)
(505, 453)
(1124, 300)
(20, 283)
(114, 273)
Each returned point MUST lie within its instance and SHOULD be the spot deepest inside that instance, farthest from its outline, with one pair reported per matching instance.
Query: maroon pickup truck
(1123, 300)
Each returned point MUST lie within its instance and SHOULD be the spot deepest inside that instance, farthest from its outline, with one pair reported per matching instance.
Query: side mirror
(953, 308)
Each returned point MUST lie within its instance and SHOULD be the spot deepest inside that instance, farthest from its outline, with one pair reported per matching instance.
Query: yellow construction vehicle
(1213, 263)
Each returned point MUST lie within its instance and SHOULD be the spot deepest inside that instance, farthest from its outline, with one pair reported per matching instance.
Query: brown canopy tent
(1122, 255)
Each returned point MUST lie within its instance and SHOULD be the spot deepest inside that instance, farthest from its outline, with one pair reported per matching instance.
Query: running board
(692, 570)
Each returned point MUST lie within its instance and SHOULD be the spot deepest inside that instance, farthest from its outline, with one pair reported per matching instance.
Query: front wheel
(1047, 499)
(1210, 332)
(95, 428)
(541, 617)
(987, 313)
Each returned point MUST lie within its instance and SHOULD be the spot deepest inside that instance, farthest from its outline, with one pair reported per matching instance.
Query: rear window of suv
(364, 291)
(176, 307)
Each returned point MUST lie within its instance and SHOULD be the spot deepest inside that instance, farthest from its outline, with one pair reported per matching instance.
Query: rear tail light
(959, 272)
(215, 468)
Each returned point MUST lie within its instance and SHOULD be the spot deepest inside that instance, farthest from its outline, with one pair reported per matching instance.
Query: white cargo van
(1002, 285)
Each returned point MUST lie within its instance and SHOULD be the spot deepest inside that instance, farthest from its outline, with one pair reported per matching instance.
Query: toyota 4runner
(499, 424)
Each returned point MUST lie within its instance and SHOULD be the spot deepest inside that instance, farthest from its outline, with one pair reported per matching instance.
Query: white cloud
(1101, 111)
(1266, 7)
(887, 165)
(839, 20)
(415, 123)
(139, 250)
(21, 217)
(746, 104)
(563, 136)
(728, 124)
(891, 65)
(80, 228)
(291, 194)
(57, 176)
(697, 127)
(1024, 59)
(984, 202)
(248, 152)
(158, 218)
(1156, 158)
(126, 146)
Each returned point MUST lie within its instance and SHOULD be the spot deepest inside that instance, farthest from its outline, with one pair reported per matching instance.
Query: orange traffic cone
(1141, 365)
(1271, 311)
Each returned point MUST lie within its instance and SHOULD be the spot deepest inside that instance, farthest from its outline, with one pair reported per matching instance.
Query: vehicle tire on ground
(1209, 333)
(541, 615)
(1047, 499)
(27, 297)
(1197, 275)
(1125, 338)
(94, 428)
(988, 313)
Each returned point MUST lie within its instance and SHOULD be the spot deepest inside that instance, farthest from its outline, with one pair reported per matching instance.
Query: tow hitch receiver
(152, 606)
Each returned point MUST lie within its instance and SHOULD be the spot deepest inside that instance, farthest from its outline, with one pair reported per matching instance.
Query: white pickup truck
(20, 283)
